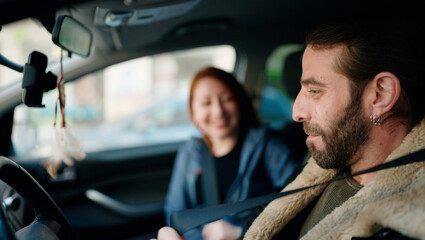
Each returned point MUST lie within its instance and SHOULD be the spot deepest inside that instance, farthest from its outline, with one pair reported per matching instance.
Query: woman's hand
(167, 233)
(221, 230)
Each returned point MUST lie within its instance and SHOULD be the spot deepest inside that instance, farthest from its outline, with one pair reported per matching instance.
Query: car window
(103, 113)
(277, 99)
(18, 40)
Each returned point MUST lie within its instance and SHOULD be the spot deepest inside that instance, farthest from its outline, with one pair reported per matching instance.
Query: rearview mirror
(71, 35)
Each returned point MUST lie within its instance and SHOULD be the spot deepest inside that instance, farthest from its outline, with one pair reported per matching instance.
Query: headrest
(292, 70)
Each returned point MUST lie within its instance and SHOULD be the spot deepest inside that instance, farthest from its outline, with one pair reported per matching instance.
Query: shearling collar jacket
(395, 199)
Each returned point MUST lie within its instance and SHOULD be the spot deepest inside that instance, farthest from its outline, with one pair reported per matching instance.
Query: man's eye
(313, 92)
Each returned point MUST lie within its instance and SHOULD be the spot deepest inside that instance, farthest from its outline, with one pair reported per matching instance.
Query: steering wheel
(43, 205)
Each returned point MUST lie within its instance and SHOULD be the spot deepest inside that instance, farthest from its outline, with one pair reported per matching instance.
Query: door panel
(113, 194)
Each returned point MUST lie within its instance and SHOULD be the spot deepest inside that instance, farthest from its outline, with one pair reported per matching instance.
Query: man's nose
(300, 111)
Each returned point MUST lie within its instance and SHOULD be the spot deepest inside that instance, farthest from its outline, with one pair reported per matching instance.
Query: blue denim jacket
(266, 163)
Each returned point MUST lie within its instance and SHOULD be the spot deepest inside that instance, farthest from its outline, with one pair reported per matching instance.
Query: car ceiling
(208, 21)
(229, 20)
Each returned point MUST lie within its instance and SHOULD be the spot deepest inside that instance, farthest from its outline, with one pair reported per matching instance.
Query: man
(361, 105)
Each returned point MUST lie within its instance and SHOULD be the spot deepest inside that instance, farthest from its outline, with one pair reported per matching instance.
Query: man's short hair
(381, 44)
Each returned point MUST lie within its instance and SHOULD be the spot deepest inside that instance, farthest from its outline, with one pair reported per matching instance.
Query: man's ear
(385, 91)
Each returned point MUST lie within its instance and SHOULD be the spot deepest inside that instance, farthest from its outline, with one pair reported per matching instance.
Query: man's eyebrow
(312, 81)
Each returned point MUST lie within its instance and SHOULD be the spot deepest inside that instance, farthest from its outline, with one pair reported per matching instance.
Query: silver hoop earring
(376, 121)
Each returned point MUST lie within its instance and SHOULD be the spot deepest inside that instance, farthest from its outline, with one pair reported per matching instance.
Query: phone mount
(36, 81)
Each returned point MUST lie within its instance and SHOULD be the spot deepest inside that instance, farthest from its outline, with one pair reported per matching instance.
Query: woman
(237, 155)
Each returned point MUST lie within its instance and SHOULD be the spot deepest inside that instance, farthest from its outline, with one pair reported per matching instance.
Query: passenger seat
(293, 133)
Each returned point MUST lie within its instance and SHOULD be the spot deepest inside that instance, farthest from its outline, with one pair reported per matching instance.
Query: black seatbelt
(210, 189)
(185, 220)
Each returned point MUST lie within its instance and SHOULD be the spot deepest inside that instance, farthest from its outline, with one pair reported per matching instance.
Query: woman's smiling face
(215, 109)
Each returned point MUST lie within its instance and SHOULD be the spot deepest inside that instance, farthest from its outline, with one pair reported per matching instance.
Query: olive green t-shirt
(333, 196)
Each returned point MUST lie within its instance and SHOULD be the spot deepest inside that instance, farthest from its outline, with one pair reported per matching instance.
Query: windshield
(18, 40)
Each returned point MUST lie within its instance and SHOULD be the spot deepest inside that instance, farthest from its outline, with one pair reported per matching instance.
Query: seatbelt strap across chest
(210, 189)
(185, 220)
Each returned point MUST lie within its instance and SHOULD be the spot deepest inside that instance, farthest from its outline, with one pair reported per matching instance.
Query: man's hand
(167, 233)
(221, 230)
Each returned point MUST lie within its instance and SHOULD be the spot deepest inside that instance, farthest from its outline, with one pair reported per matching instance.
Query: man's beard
(342, 141)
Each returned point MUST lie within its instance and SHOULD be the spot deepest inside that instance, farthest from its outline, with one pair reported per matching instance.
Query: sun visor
(149, 14)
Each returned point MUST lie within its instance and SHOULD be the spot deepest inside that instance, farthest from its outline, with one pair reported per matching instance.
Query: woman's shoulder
(263, 131)
(262, 136)
(257, 130)
(190, 151)
(192, 143)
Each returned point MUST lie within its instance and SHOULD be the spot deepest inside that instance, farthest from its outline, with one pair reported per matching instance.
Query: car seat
(293, 133)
